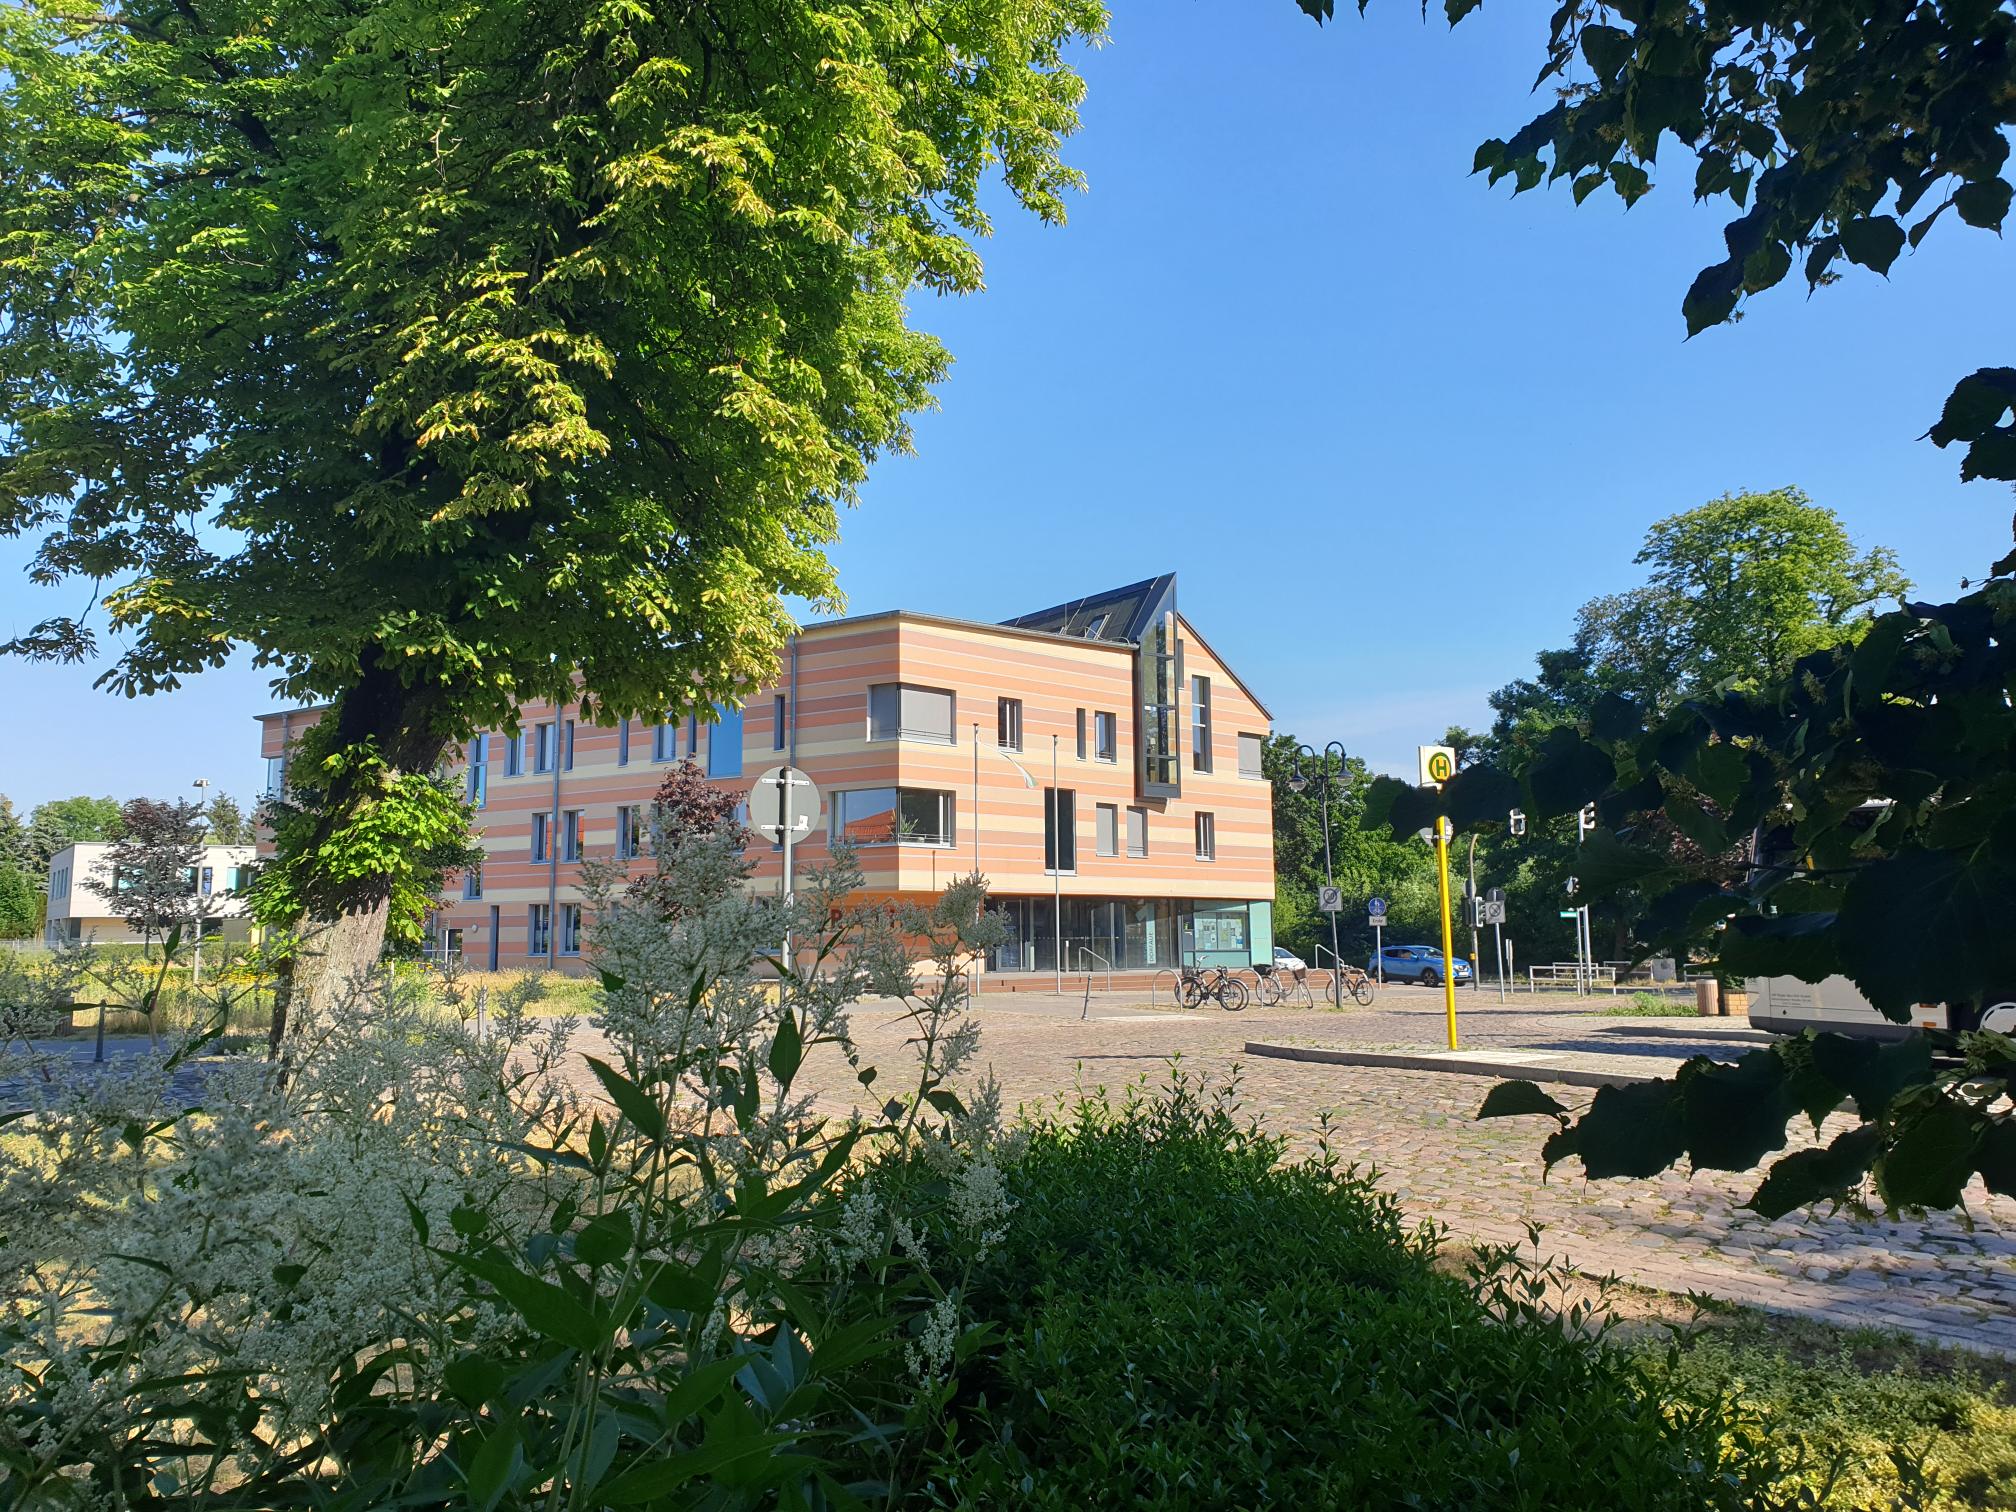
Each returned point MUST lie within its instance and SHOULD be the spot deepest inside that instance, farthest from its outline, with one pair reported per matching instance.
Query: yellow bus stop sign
(1438, 765)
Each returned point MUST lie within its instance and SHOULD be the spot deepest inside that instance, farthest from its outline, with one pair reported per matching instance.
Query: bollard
(1707, 998)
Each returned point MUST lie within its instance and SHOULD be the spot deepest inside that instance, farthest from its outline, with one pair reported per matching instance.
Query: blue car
(1416, 963)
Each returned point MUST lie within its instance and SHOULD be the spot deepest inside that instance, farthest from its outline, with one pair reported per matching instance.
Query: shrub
(1187, 1321)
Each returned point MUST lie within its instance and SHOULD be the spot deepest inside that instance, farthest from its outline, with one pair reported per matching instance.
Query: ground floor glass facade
(1137, 934)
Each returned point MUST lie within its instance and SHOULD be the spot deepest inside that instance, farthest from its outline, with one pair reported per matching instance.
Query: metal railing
(1579, 977)
(1085, 953)
(1336, 972)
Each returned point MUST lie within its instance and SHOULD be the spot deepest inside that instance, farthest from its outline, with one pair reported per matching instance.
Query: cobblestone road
(1938, 1279)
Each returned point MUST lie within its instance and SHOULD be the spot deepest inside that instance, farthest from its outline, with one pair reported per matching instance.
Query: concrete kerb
(1509, 1063)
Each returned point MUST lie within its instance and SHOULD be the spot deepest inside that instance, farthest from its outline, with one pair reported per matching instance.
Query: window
(665, 740)
(276, 776)
(1060, 830)
(209, 882)
(479, 770)
(780, 722)
(1107, 828)
(545, 749)
(538, 930)
(495, 932)
(1200, 724)
(1105, 737)
(571, 835)
(514, 754)
(1207, 837)
(241, 878)
(724, 743)
(622, 742)
(59, 884)
(472, 884)
(541, 842)
(1081, 734)
(897, 711)
(567, 748)
(892, 816)
(570, 929)
(1251, 748)
(1098, 625)
(1009, 723)
(1137, 832)
(1158, 678)
(632, 831)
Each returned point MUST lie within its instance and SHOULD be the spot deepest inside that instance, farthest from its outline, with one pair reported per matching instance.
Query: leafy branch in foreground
(1856, 818)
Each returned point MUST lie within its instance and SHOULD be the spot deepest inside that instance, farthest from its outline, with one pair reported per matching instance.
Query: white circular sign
(784, 799)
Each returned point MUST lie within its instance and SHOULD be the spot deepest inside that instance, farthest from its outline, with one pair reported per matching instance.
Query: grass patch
(1648, 1005)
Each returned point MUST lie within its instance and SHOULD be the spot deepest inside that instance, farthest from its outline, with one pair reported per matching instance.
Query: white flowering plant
(428, 1267)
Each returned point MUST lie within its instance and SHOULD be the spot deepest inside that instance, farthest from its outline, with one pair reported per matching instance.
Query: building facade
(80, 907)
(1096, 762)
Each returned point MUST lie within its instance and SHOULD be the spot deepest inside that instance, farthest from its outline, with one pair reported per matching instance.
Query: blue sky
(1390, 426)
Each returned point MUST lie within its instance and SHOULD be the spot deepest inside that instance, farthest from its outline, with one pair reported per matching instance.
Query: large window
(724, 743)
(1200, 724)
(892, 816)
(665, 740)
(571, 835)
(276, 776)
(1158, 679)
(1251, 749)
(570, 929)
(1105, 737)
(1008, 722)
(1060, 830)
(898, 711)
(1207, 837)
(538, 930)
(1137, 832)
(633, 831)
(545, 747)
(1107, 828)
(479, 770)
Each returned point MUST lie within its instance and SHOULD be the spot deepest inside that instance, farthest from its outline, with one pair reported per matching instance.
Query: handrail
(1088, 951)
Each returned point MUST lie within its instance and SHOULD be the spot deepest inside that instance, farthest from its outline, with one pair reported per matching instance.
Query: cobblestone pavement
(1938, 1278)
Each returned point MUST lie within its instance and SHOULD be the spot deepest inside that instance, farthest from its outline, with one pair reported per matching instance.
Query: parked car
(1286, 960)
(1416, 963)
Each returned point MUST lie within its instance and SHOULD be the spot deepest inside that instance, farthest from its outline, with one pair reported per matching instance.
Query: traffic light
(1516, 822)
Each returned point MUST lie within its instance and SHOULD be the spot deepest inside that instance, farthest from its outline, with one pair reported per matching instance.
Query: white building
(80, 910)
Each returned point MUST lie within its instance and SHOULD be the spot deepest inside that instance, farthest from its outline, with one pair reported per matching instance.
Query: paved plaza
(1938, 1278)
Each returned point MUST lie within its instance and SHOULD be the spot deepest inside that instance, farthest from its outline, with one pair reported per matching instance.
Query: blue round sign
(1375, 905)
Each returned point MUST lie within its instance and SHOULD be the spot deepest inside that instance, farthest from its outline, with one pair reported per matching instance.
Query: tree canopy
(445, 354)
(1843, 131)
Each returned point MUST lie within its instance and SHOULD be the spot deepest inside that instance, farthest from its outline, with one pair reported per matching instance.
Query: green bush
(1187, 1321)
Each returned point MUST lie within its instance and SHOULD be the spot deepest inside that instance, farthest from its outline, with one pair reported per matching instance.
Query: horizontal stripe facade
(984, 803)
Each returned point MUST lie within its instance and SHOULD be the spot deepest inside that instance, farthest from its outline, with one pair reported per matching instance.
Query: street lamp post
(1297, 782)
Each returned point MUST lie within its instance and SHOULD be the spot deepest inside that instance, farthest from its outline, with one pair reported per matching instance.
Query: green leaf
(787, 1049)
(473, 1379)
(1873, 241)
(495, 1464)
(1809, 1176)
(1607, 864)
(1786, 944)
(633, 1101)
(1567, 773)
(1511, 1099)
(1873, 1071)
(1456, 10)
(1608, 49)
(604, 1240)
(1633, 1130)
(1929, 926)
(1995, 1159)
(1736, 1115)
(548, 1309)
(1931, 1156)
(1983, 203)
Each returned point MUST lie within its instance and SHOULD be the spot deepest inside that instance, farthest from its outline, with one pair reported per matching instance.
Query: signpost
(784, 804)
(1438, 765)
(1375, 915)
(1493, 911)
(1330, 899)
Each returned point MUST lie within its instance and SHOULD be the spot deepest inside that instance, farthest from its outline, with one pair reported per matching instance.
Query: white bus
(1786, 1005)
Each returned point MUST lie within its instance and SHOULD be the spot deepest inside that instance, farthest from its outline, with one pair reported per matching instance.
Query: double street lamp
(1298, 782)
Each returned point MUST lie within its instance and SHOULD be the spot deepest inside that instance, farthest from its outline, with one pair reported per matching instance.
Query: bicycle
(1358, 984)
(1274, 986)
(1194, 986)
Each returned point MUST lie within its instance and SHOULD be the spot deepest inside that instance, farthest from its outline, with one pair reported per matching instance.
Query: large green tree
(65, 821)
(1843, 131)
(445, 353)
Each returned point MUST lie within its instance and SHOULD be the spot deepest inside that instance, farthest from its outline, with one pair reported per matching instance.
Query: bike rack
(1155, 986)
(1336, 973)
(1085, 952)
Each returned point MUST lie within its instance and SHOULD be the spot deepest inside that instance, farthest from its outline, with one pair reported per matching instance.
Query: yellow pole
(1448, 943)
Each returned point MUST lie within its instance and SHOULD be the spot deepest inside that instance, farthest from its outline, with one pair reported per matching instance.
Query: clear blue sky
(1390, 426)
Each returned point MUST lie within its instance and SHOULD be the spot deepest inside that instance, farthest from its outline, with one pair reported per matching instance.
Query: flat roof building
(1095, 760)
(80, 907)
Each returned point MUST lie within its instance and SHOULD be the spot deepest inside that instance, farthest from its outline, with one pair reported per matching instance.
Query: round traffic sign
(1375, 906)
(784, 799)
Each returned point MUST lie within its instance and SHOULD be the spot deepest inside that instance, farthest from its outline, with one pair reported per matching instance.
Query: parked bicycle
(1356, 982)
(1194, 986)
(1274, 985)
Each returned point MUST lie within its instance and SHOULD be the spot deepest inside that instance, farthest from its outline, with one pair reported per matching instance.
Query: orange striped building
(1096, 762)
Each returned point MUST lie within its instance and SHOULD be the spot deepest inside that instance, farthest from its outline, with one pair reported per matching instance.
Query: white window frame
(948, 813)
(1105, 829)
(1206, 825)
(1259, 769)
(1106, 746)
(1008, 723)
(1136, 812)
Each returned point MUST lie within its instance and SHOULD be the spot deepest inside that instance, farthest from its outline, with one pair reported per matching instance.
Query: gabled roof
(1119, 614)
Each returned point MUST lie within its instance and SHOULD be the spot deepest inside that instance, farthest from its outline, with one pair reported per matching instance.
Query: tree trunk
(341, 936)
